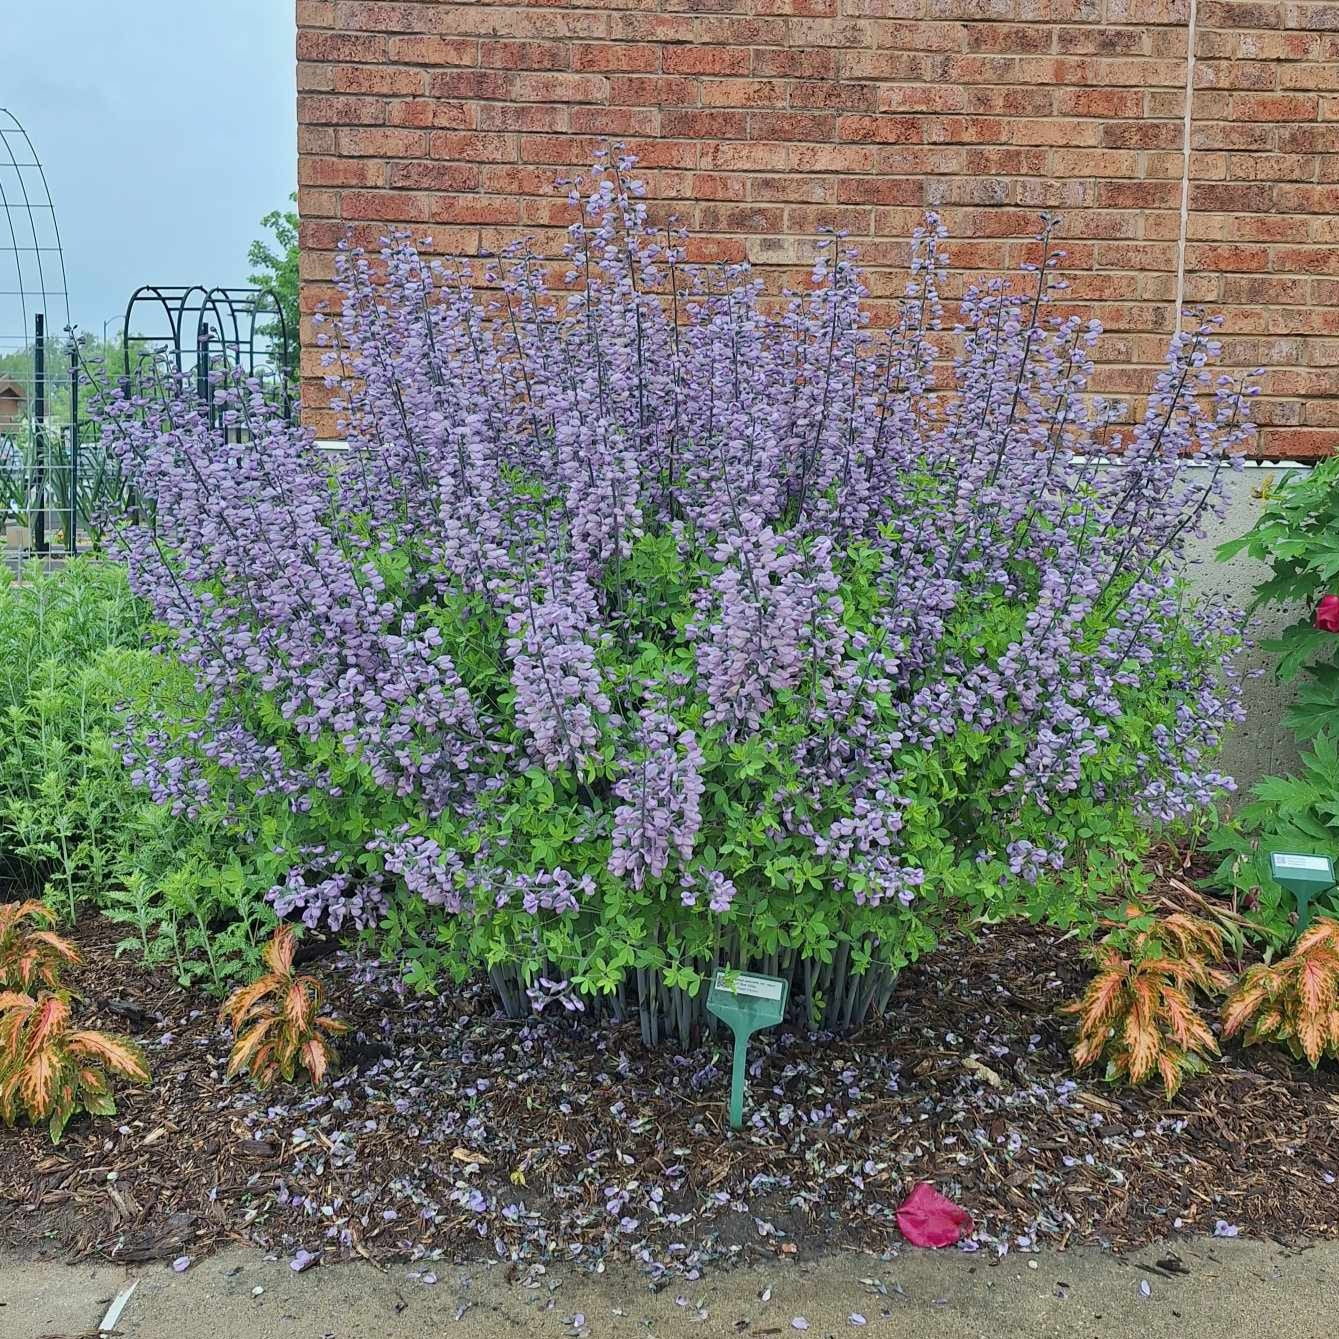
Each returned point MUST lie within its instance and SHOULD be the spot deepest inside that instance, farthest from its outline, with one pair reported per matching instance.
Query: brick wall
(759, 121)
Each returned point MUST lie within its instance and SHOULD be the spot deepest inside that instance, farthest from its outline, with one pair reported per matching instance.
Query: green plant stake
(745, 1003)
(1304, 876)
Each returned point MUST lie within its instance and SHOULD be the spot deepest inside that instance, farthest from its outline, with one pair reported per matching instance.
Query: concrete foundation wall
(1261, 745)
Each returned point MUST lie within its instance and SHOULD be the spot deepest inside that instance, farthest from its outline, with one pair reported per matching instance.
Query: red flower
(1327, 613)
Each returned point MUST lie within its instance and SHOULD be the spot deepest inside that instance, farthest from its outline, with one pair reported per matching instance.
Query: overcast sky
(167, 129)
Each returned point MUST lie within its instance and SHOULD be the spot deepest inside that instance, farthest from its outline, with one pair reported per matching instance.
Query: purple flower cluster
(661, 791)
(943, 608)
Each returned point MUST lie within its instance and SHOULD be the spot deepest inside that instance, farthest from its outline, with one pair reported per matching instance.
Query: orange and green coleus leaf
(29, 956)
(275, 1020)
(239, 1006)
(300, 1004)
(1183, 1021)
(46, 1024)
(278, 953)
(315, 1059)
(1103, 999)
(1293, 1000)
(118, 1054)
(1140, 1033)
(246, 1048)
(39, 1081)
(13, 914)
(1139, 1010)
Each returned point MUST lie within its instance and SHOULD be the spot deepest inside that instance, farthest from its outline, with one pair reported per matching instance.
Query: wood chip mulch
(450, 1132)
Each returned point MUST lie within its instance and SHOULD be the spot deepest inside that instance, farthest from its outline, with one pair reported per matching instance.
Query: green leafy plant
(1294, 1001)
(50, 1070)
(277, 1021)
(71, 650)
(1139, 1012)
(1297, 534)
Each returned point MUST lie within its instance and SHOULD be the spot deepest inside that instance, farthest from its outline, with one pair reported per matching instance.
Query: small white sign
(1315, 862)
(760, 987)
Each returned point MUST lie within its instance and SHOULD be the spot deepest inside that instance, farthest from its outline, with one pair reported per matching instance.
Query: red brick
(847, 95)
(880, 129)
(1226, 257)
(473, 148)
(704, 124)
(806, 126)
(420, 176)
(341, 111)
(383, 143)
(316, 14)
(341, 47)
(1256, 107)
(490, 209)
(525, 55)
(614, 120)
(384, 80)
(743, 93)
(376, 16)
(521, 116)
(314, 171)
(471, 84)
(619, 57)
(708, 60)
(740, 218)
(391, 206)
(881, 190)
(769, 63)
(1234, 197)
(761, 120)
(434, 113)
(423, 50)
(658, 90)
(1307, 260)
(561, 88)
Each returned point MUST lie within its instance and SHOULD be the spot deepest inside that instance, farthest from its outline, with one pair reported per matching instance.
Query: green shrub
(74, 653)
(71, 650)
(1298, 535)
(619, 646)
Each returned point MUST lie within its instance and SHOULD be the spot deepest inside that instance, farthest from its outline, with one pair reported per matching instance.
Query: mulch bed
(451, 1133)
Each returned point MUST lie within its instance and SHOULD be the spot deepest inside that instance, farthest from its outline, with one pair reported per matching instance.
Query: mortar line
(1184, 227)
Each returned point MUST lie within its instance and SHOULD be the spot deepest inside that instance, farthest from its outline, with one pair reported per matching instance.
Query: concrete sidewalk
(1232, 1288)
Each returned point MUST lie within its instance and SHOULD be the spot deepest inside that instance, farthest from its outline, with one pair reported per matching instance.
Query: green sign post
(746, 1003)
(1304, 876)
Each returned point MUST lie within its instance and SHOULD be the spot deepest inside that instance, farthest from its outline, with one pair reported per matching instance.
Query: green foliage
(73, 827)
(1298, 535)
(274, 262)
(70, 652)
(789, 907)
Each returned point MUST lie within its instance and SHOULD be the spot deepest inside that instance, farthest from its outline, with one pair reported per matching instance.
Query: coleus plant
(49, 1069)
(31, 952)
(1295, 1000)
(277, 1021)
(1139, 1012)
(643, 627)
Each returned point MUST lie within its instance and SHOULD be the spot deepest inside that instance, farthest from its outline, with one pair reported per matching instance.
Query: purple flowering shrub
(640, 631)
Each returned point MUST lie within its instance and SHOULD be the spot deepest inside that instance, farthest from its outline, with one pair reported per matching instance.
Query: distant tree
(274, 265)
(98, 359)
